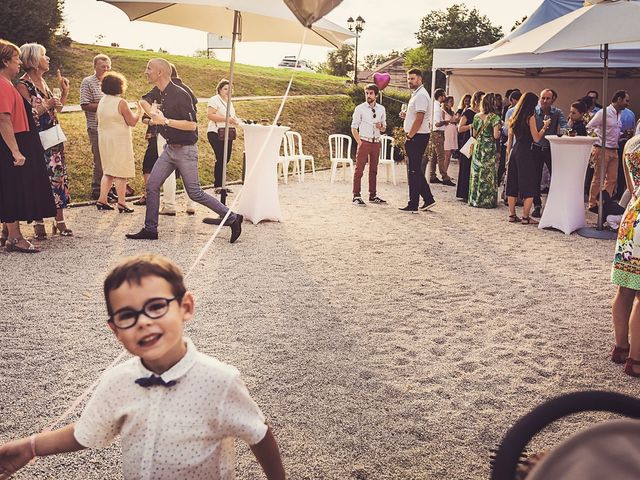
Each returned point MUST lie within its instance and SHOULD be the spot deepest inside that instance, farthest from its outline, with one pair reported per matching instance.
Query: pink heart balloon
(381, 80)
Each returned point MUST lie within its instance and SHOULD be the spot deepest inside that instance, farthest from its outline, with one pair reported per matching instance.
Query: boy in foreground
(176, 410)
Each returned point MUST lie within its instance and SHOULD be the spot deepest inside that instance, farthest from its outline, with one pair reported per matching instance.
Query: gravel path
(380, 345)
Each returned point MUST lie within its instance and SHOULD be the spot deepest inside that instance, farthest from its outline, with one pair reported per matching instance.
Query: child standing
(176, 410)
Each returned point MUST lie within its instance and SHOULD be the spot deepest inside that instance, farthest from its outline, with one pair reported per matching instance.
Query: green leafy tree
(455, 27)
(339, 62)
(23, 21)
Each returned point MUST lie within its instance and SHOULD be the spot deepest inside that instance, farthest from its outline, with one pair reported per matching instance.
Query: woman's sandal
(619, 355)
(39, 232)
(514, 218)
(628, 367)
(61, 227)
(528, 221)
(12, 246)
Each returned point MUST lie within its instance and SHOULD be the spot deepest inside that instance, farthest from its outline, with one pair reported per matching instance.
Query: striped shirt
(90, 92)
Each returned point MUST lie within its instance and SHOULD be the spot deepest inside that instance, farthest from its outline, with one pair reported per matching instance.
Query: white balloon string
(74, 405)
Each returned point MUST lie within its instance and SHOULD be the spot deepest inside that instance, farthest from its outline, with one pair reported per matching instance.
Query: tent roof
(620, 56)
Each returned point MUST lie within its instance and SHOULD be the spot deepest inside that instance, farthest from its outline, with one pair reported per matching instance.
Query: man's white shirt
(364, 121)
(420, 102)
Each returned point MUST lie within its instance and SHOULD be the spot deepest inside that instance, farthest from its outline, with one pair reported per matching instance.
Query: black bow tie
(153, 380)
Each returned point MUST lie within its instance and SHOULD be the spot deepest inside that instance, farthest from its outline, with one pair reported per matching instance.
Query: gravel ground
(380, 345)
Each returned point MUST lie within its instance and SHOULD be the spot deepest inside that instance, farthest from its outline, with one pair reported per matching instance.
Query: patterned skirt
(626, 262)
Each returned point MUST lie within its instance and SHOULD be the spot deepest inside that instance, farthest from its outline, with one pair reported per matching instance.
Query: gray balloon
(309, 11)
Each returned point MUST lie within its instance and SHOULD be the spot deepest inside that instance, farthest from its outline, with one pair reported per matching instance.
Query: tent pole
(599, 232)
(603, 150)
(234, 36)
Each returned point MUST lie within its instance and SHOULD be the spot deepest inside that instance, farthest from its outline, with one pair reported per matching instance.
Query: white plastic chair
(284, 160)
(386, 156)
(295, 150)
(340, 153)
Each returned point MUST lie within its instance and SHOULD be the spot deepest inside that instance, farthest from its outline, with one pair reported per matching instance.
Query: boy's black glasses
(153, 308)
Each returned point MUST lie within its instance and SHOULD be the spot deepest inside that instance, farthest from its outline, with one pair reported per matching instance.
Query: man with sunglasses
(368, 123)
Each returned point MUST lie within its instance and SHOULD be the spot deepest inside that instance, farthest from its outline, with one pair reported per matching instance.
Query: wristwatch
(166, 122)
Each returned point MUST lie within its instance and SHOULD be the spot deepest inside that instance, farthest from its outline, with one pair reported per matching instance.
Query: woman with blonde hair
(25, 191)
(115, 120)
(45, 107)
(483, 189)
(464, 129)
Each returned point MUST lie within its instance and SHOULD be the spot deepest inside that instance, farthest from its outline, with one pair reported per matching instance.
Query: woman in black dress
(464, 129)
(25, 191)
(521, 177)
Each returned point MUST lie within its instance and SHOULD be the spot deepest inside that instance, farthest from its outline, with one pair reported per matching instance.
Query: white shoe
(167, 211)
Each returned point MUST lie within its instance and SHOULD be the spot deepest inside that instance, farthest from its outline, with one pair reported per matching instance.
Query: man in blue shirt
(541, 149)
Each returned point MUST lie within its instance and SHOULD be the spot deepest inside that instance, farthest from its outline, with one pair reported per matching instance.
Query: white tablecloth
(564, 209)
(259, 200)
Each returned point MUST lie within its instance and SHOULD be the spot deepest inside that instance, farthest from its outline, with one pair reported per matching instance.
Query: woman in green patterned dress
(483, 188)
(626, 270)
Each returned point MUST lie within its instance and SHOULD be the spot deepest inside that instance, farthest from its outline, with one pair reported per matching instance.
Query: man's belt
(370, 140)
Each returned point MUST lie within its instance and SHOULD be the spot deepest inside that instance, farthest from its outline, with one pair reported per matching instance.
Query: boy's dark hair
(415, 71)
(619, 95)
(373, 87)
(515, 95)
(439, 92)
(134, 269)
(114, 83)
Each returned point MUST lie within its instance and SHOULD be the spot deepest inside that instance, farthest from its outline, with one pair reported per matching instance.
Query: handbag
(232, 133)
(467, 148)
(52, 136)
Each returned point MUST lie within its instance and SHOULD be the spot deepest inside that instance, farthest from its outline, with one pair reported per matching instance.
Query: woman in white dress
(115, 120)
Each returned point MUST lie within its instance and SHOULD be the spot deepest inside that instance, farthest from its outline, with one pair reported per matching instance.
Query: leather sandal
(619, 354)
(628, 367)
(39, 232)
(60, 227)
(528, 221)
(514, 218)
(12, 246)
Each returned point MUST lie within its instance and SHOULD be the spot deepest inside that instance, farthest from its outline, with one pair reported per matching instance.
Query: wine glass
(404, 107)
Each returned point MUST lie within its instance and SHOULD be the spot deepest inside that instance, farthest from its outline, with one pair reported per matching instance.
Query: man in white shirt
(619, 102)
(417, 127)
(435, 153)
(368, 123)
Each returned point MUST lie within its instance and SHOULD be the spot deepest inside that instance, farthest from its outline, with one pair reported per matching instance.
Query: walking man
(435, 152)
(90, 95)
(417, 127)
(177, 121)
(368, 123)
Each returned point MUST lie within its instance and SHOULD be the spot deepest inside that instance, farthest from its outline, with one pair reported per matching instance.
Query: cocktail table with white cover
(564, 209)
(259, 200)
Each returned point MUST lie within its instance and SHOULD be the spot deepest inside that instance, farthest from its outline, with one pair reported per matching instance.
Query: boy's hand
(13, 456)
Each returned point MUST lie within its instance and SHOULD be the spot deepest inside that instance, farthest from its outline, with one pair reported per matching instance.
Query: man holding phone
(368, 123)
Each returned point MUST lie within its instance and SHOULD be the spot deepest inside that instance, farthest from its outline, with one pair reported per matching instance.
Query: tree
(455, 27)
(339, 62)
(372, 60)
(25, 21)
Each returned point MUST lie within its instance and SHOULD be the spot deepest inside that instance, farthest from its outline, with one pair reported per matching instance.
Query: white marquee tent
(570, 72)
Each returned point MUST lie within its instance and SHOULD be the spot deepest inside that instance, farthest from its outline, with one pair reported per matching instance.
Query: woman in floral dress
(626, 270)
(483, 188)
(35, 90)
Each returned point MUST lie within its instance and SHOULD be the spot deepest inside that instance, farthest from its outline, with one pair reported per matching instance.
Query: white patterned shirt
(186, 431)
(364, 121)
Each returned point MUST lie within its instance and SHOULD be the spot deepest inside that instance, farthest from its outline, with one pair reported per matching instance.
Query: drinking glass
(56, 92)
(403, 108)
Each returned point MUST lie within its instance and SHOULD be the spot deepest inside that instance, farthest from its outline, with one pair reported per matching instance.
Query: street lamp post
(358, 26)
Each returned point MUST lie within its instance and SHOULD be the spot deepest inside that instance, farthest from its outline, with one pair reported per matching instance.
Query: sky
(387, 28)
